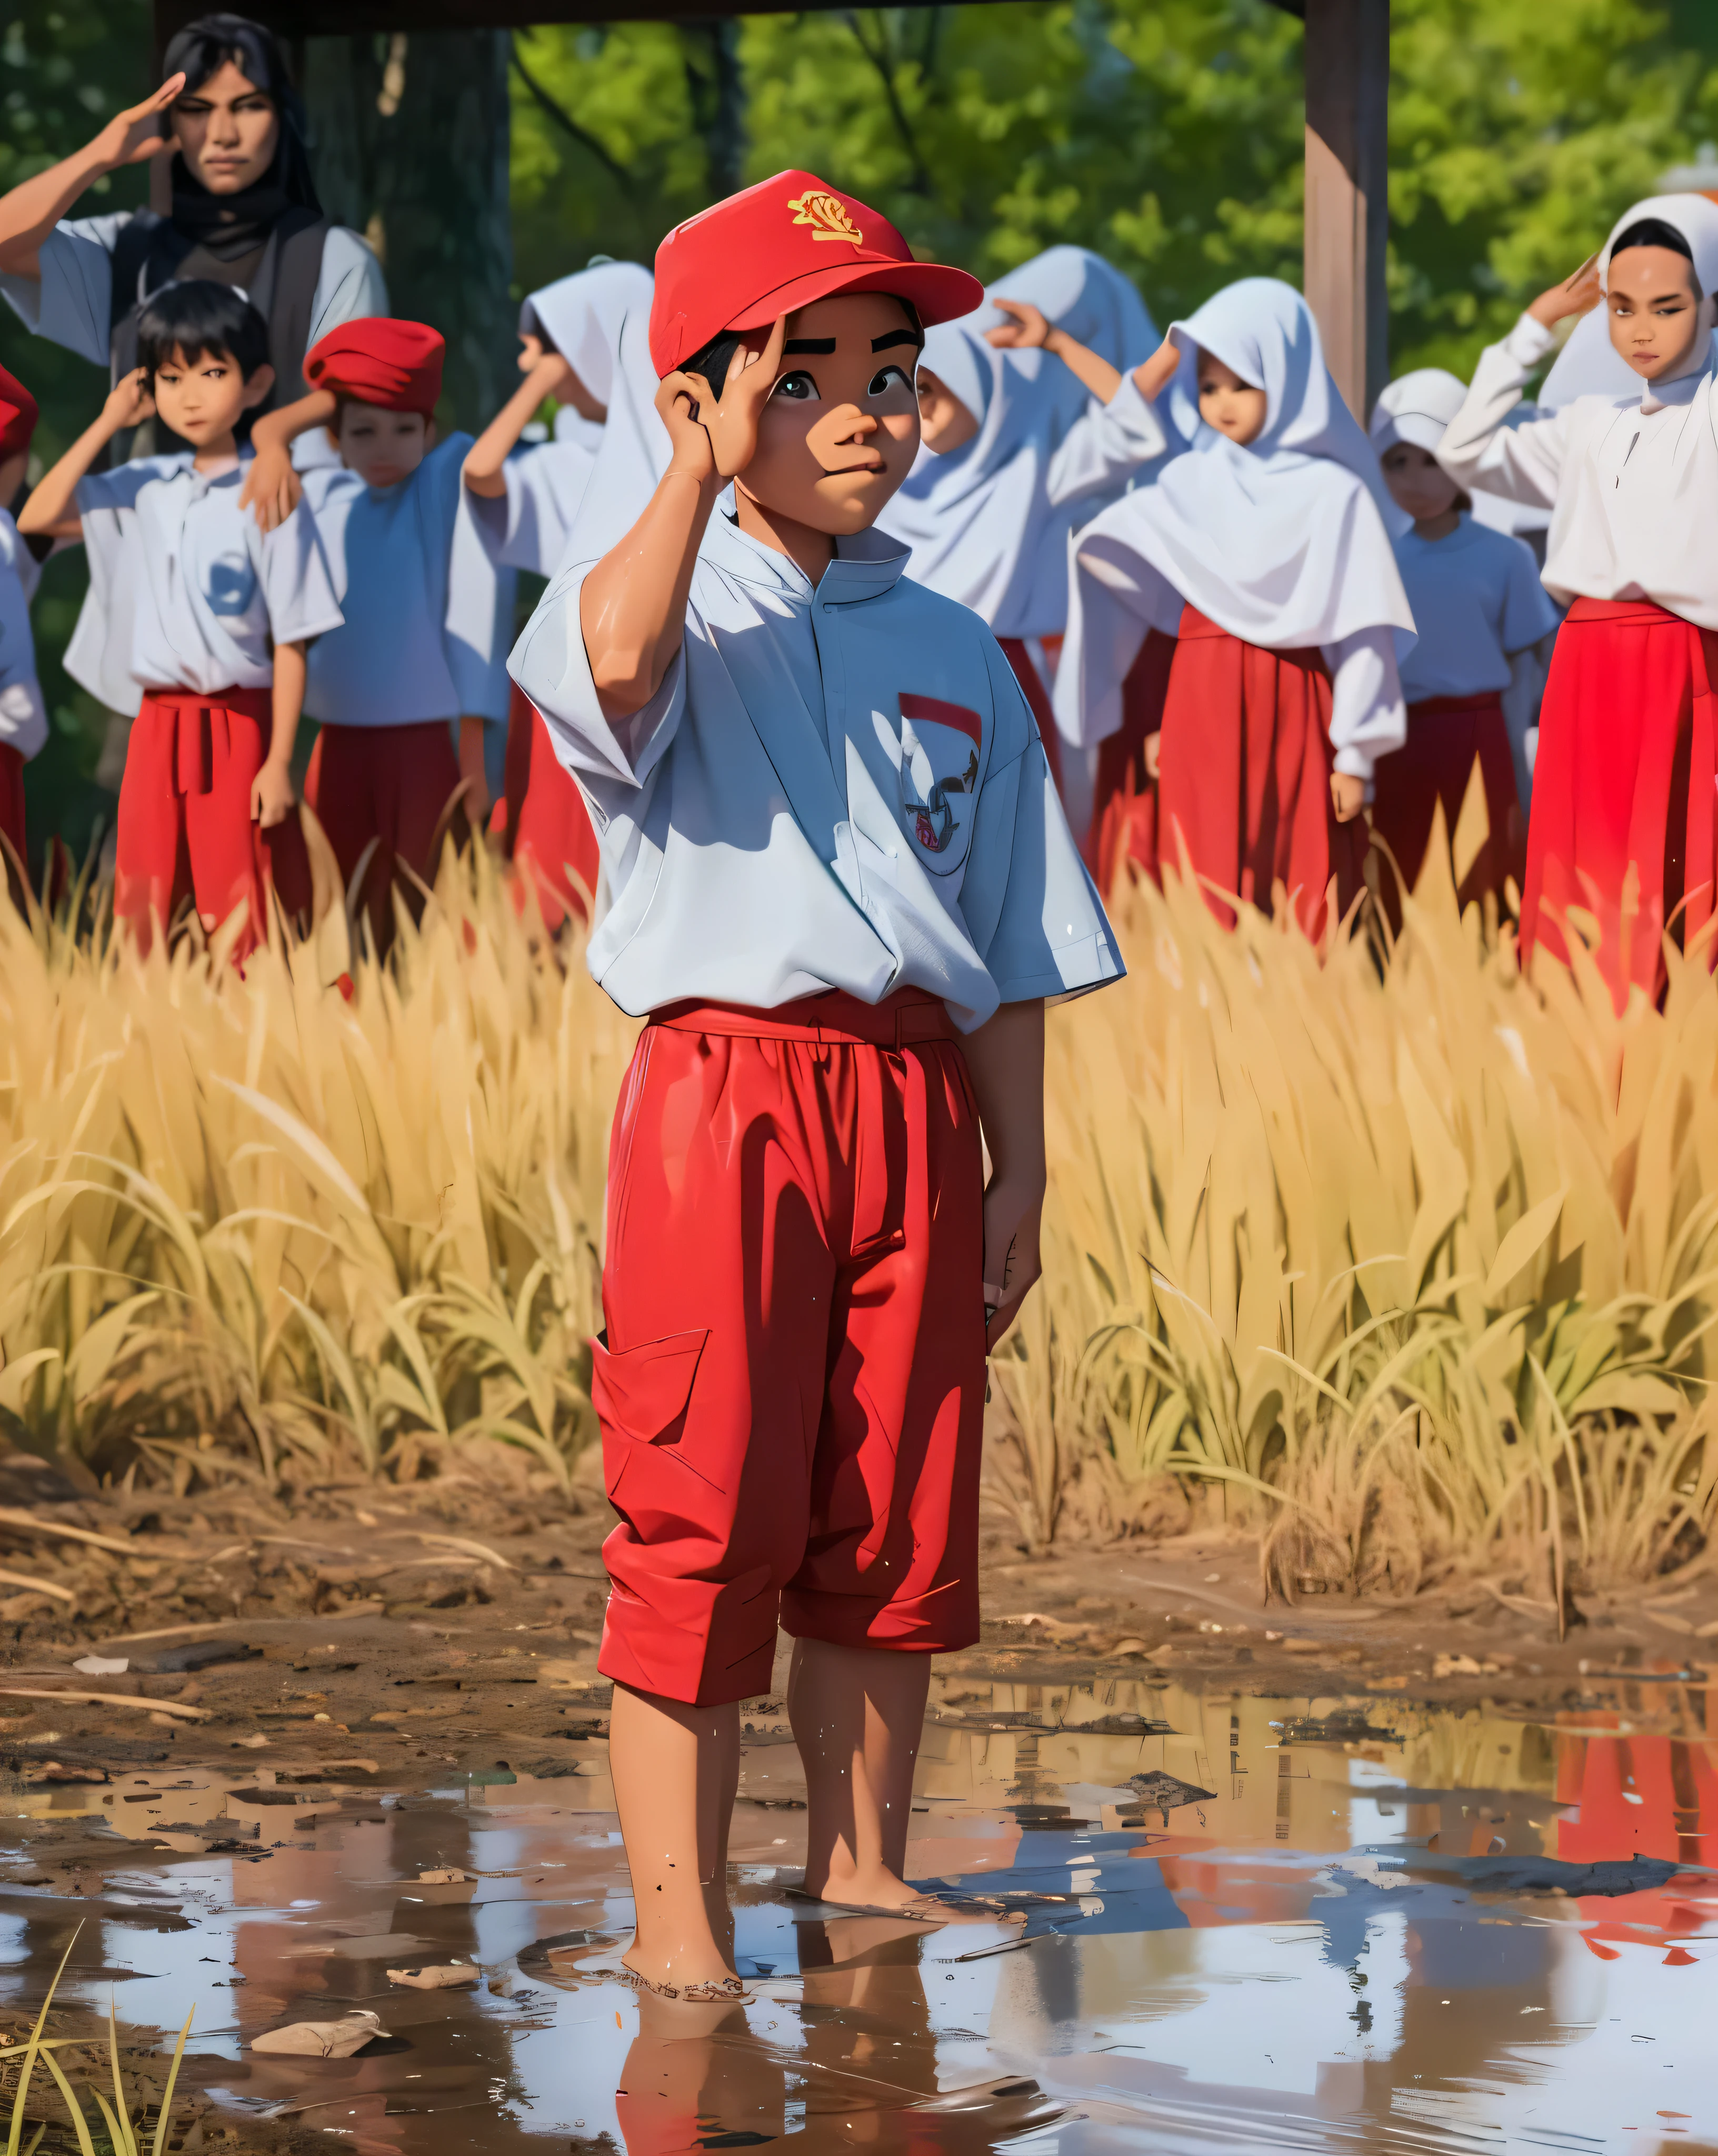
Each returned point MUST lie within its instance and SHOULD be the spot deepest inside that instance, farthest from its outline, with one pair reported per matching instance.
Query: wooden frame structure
(1347, 61)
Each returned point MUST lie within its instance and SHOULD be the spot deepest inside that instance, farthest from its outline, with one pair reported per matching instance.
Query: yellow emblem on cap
(828, 218)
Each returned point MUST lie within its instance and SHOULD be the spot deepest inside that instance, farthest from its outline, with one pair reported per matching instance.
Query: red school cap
(378, 361)
(17, 415)
(780, 245)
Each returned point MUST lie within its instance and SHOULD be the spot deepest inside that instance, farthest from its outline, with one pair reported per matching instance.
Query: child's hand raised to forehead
(1578, 295)
(1029, 330)
(715, 438)
(129, 403)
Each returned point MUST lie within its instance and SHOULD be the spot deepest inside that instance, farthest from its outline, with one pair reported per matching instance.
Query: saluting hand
(129, 403)
(1578, 295)
(1029, 330)
(729, 425)
(134, 136)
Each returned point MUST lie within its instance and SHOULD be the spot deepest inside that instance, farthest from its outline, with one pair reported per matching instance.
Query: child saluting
(843, 888)
(1625, 818)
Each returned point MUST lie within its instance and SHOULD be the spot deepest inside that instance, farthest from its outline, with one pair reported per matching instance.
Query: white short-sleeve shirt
(23, 717)
(427, 616)
(836, 787)
(209, 595)
(528, 527)
(1477, 600)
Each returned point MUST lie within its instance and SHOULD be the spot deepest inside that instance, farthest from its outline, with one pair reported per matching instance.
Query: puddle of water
(1262, 1923)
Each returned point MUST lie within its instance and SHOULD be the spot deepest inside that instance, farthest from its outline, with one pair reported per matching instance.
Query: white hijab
(1589, 365)
(979, 521)
(634, 452)
(1283, 543)
(581, 316)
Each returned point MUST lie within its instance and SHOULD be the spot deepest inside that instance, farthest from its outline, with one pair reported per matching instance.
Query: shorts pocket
(642, 1395)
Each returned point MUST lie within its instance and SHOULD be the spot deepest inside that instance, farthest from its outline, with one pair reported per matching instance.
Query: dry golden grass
(1416, 1261)
(1411, 1264)
(254, 1211)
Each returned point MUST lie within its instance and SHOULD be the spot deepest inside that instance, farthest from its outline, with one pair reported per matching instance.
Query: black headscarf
(228, 227)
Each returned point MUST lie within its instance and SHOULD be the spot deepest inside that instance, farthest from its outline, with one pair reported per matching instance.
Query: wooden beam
(1347, 64)
(326, 18)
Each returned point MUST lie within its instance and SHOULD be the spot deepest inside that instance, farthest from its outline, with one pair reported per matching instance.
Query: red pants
(1446, 735)
(1031, 681)
(1625, 820)
(1245, 775)
(549, 828)
(184, 827)
(792, 1383)
(1124, 825)
(12, 800)
(390, 783)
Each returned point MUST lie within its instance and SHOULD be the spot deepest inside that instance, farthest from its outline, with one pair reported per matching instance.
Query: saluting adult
(244, 212)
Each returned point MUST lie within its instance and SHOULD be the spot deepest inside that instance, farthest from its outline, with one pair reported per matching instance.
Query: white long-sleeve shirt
(23, 717)
(1632, 483)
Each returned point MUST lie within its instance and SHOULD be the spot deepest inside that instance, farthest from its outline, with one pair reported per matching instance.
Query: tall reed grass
(1416, 1262)
(1412, 1263)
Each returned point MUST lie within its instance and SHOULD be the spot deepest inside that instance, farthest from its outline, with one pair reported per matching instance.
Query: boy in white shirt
(23, 717)
(843, 888)
(420, 648)
(1478, 606)
(222, 617)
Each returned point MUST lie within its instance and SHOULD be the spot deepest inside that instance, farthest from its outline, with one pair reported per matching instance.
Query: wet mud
(1285, 1919)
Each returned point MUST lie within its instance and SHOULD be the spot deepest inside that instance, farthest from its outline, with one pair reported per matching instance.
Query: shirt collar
(866, 565)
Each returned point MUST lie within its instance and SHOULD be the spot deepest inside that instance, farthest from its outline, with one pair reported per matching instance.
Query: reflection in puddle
(1269, 1924)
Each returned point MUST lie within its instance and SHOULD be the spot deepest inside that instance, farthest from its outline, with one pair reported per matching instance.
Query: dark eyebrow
(896, 336)
(808, 344)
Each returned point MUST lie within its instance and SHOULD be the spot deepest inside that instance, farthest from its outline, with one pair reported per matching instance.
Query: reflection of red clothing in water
(1124, 825)
(1638, 1796)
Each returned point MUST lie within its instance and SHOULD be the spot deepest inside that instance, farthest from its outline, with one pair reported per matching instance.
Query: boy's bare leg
(857, 1714)
(675, 1769)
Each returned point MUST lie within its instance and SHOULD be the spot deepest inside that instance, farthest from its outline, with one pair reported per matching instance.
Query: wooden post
(1347, 63)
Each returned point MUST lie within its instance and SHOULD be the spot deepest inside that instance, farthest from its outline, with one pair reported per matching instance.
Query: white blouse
(1632, 483)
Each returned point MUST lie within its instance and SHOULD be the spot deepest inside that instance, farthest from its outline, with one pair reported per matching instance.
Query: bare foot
(881, 1893)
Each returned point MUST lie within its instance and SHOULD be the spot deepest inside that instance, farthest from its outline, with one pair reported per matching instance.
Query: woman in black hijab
(244, 212)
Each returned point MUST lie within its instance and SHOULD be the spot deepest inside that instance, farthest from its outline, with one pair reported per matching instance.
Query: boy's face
(383, 447)
(1419, 483)
(841, 428)
(203, 397)
(1654, 314)
(1233, 407)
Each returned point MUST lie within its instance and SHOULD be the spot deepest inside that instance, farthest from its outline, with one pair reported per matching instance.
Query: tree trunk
(409, 147)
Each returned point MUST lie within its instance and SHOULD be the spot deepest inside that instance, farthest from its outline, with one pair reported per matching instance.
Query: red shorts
(185, 826)
(11, 799)
(391, 784)
(792, 1383)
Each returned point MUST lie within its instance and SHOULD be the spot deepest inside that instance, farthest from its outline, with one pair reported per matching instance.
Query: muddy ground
(457, 1622)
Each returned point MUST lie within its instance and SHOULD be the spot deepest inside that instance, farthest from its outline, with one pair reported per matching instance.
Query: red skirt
(1446, 736)
(1032, 683)
(1245, 775)
(552, 840)
(184, 827)
(1124, 825)
(1625, 819)
(12, 800)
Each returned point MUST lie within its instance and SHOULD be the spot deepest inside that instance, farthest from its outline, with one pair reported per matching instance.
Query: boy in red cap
(217, 619)
(842, 889)
(23, 717)
(421, 645)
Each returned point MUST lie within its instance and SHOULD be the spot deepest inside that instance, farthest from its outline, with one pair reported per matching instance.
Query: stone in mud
(1167, 1793)
(323, 2039)
(440, 1976)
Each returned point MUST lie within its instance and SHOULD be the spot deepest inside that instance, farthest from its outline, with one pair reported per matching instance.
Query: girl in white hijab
(1624, 822)
(1029, 423)
(1264, 550)
(522, 502)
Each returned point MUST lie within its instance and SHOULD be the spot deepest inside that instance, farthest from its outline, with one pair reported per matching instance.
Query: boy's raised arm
(632, 604)
(51, 512)
(481, 471)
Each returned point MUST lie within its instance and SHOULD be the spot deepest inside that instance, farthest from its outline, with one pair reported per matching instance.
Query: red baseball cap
(780, 245)
(17, 415)
(378, 361)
